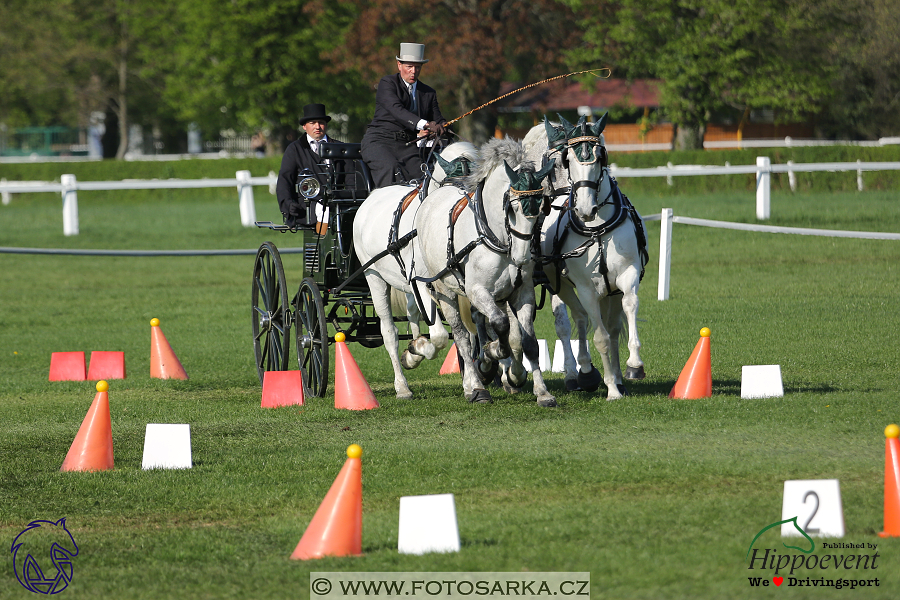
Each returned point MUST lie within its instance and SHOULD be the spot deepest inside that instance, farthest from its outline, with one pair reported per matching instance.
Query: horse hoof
(488, 376)
(510, 389)
(589, 382)
(572, 385)
(548, 402)
(622, 389)
(409, 361)
(635, 373)
(481, 397)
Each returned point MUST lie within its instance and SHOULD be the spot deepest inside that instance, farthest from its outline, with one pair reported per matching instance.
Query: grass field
(655, 498)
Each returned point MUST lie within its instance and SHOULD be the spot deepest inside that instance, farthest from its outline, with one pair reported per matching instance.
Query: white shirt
(314, 144)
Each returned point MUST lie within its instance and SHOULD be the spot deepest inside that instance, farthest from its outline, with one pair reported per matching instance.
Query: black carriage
(330, 298)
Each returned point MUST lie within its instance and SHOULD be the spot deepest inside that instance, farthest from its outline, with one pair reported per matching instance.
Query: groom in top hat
(302, 154)
(405, 110)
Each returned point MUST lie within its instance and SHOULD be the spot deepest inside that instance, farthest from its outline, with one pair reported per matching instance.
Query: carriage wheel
(271, 312)
(312, 339)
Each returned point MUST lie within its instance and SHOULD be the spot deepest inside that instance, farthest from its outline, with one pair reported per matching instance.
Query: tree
(473, 47)
(253, 64)
(714, 54)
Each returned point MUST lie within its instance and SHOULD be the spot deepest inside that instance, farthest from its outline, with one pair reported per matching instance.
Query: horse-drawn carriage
(327, 293)
(474, 239)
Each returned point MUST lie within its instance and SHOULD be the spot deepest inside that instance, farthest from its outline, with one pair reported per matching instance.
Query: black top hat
(313, 112)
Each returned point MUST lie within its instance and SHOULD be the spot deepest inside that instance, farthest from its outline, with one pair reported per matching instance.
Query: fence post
(792, 177)
(669, 176)
(70, 205)
(859, 181)
(6, 195)
(763, 186)
(245, 195)
(665, 253)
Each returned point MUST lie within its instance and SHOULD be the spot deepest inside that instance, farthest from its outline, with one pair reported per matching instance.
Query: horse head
(584, 157)
(455, 162)
(524, 199)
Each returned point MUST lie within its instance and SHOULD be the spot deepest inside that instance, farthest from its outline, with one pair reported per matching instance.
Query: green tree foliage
(714, 54)
(256, 63)
(473, 47)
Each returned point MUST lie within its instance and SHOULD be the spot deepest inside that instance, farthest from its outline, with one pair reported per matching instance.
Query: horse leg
(382, 304)
(634, 363)
(420, 347)
(496, 322)
(514, 373)
(611, 308)
(601, 340)
(524, 306)
(472, 386)
(585, 377)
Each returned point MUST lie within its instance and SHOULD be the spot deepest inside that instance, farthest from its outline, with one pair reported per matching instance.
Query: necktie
(412, 98)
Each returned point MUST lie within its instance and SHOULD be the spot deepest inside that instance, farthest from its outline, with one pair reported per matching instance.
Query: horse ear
(600, 125)
(545, 170)
(513, 176)
(566, 125)
(444, 164)
(553, 133)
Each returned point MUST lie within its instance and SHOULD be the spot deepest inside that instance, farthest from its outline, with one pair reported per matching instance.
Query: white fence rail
(69, 187)
(665, 238)
(763, 169)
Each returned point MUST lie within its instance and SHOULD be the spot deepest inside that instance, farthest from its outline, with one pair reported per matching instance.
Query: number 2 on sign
(806, 526)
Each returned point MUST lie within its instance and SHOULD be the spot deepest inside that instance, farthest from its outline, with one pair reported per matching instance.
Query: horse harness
(623, 209)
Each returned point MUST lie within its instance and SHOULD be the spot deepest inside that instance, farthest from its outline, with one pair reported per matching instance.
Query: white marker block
(167, 446)
(559, 357)
(761, 381)
(543, 357)
(817, 505)
(427, 524)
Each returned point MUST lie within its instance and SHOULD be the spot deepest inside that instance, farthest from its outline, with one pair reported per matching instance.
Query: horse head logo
(39, 548)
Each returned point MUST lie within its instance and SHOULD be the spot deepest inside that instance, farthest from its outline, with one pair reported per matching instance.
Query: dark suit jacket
(297, 156)
(391, 101)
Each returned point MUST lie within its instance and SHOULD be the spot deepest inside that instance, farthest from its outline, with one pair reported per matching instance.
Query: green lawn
(655, 498)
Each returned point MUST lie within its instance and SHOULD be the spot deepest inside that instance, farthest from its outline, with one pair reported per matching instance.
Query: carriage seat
(358, 183)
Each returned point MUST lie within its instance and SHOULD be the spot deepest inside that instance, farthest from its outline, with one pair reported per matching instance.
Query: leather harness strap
(460, 206)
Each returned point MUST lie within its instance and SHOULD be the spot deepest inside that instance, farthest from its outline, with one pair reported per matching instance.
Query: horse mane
(492, 155)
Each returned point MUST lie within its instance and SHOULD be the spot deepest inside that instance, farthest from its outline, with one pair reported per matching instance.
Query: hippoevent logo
(42, 556)
(806, 568)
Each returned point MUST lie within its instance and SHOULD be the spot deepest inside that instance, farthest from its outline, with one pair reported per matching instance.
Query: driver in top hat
(302, 154)
(405, 109)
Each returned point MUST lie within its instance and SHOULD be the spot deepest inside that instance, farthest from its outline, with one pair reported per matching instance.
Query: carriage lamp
(309, 187)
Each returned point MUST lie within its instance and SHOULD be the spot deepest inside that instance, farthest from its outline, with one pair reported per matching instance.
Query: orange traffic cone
(451, 363)
(282, 388)
(163, 362)
(351, 390)
(891, 482)
(695, 380)
(336, 528)
(92, 449)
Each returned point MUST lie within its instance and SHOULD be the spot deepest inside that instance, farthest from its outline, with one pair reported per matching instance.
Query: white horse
(459, 245)
(596, 245)
(385, 220)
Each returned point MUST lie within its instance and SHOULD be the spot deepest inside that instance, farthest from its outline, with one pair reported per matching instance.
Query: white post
(859, 181)
(245, 194)
(6, 195)
(665, 253)
(792, 177)
(763, 186)
(70, 205)
(669, 177)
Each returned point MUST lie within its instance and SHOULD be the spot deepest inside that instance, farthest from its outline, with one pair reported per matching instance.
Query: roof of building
(559, 96)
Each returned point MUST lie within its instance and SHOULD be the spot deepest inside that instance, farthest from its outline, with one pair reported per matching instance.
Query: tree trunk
(689, 136)
(477, 127)
(122, 98)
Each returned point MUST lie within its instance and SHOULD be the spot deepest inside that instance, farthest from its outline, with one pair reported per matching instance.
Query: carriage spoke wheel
(272, 314)
(312, 339)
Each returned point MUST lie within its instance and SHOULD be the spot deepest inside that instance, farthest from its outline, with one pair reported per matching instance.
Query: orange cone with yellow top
(163, 362)
(92, 449)
(695, 380)
(351, 390)
(336, 528)
(891, 482)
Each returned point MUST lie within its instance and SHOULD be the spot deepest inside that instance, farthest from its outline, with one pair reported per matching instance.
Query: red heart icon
(778, 580)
